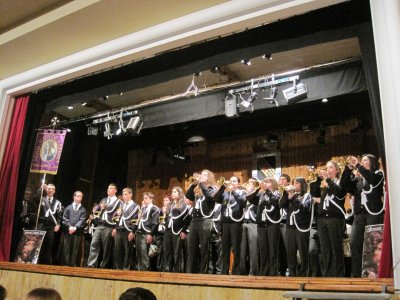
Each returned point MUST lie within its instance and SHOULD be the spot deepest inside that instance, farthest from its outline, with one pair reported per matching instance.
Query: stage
(85, 283)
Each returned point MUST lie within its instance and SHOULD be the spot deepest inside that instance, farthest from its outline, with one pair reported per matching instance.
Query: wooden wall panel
(234, 156)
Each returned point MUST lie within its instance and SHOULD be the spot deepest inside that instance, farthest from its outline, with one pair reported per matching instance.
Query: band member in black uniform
(50, 218)
(330, 219)
(29, 211)
(284, 181)
(299, 206)
(124, 231)
(102, 237)
(147, 229)
(175, 232)
(73, 224)
(268, 219)
(249, 246)
(215, 263)
(201, 192)
(368, 205)
(233, 200)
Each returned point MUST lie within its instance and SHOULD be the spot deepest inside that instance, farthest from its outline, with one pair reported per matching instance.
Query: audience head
(43, 294)
(3, 292)
(137, 294)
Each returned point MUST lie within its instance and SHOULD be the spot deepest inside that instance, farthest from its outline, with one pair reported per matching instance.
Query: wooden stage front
(84, 283)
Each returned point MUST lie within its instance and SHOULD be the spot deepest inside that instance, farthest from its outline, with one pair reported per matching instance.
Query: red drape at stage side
(9, 175)
(385, 266)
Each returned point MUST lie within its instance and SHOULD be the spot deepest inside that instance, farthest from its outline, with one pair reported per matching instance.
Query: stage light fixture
(107, 132)
(134, 126)
(246, 62)
(93, 130)
(295, 93)
(249, 101)
(215, 70)
(231, 107)
(84, 103)
(267, 56)
(325, 100)
(70, 107)
(121, 128)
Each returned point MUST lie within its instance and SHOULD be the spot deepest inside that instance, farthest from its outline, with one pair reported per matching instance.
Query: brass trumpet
(221, 181)
(290, 189)
(194, 179)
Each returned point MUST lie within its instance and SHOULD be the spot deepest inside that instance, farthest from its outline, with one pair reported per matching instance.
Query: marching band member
(175, 232)
(125, 230)
(50, 218)
(268, 220)
(147, 229)
(284, 181)
(215, 263)
(330, 220)
(102, 237)
(233, 200)
(368, 205)
(298, 204)
(249, 245)
(201, 193)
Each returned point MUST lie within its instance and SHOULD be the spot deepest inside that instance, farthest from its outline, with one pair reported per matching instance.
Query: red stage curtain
(9, 175)
(385, 266)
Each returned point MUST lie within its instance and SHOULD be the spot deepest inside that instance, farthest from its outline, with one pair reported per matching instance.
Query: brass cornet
(221, 181)
(290, 189)
(194, 179)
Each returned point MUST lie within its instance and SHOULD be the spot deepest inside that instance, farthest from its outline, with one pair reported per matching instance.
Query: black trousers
(142, 251)
(47, 248)
(198, 250)
(314, 255)
(357, 239)
(122, 250)
(330, 233)
(230, 239)
(102, 241)
(297, 240)
(249, 249)
(268, 238)
(215, 263)
(70, 249)
(172, 252)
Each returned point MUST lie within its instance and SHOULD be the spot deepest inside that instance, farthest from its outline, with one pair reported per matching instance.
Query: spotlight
(105, 98)
(107, 132)
(267, 56)
(121, 127)
(84, 103)
(93, 130)
(325, 100)
(134, 126)
(249, 101)
(295, 93)
(215, 70)
(181, 157)
(231, 107)
(246, 62)
(70, 107)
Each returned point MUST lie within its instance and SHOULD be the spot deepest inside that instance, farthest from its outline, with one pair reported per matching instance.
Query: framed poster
(372, 249)
(29, 247)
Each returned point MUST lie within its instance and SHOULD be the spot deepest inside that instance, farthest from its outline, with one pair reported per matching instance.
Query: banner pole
(40, 200)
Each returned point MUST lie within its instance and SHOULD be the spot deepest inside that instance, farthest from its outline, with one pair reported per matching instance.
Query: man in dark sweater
(73, 224)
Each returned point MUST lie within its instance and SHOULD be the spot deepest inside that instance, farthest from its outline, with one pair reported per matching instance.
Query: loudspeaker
(231, 109)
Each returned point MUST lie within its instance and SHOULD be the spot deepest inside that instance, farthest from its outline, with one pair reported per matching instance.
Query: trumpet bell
(221, 181)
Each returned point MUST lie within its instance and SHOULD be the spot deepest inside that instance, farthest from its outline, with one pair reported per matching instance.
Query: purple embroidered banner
(47, 152)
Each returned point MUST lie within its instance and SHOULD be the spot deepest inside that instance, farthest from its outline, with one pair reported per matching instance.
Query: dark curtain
(34, 113)
(367, 45)
(366, 38)
(9, 175)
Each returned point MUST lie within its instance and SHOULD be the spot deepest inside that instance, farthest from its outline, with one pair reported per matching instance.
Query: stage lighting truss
(247, 95)
(125, 123)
